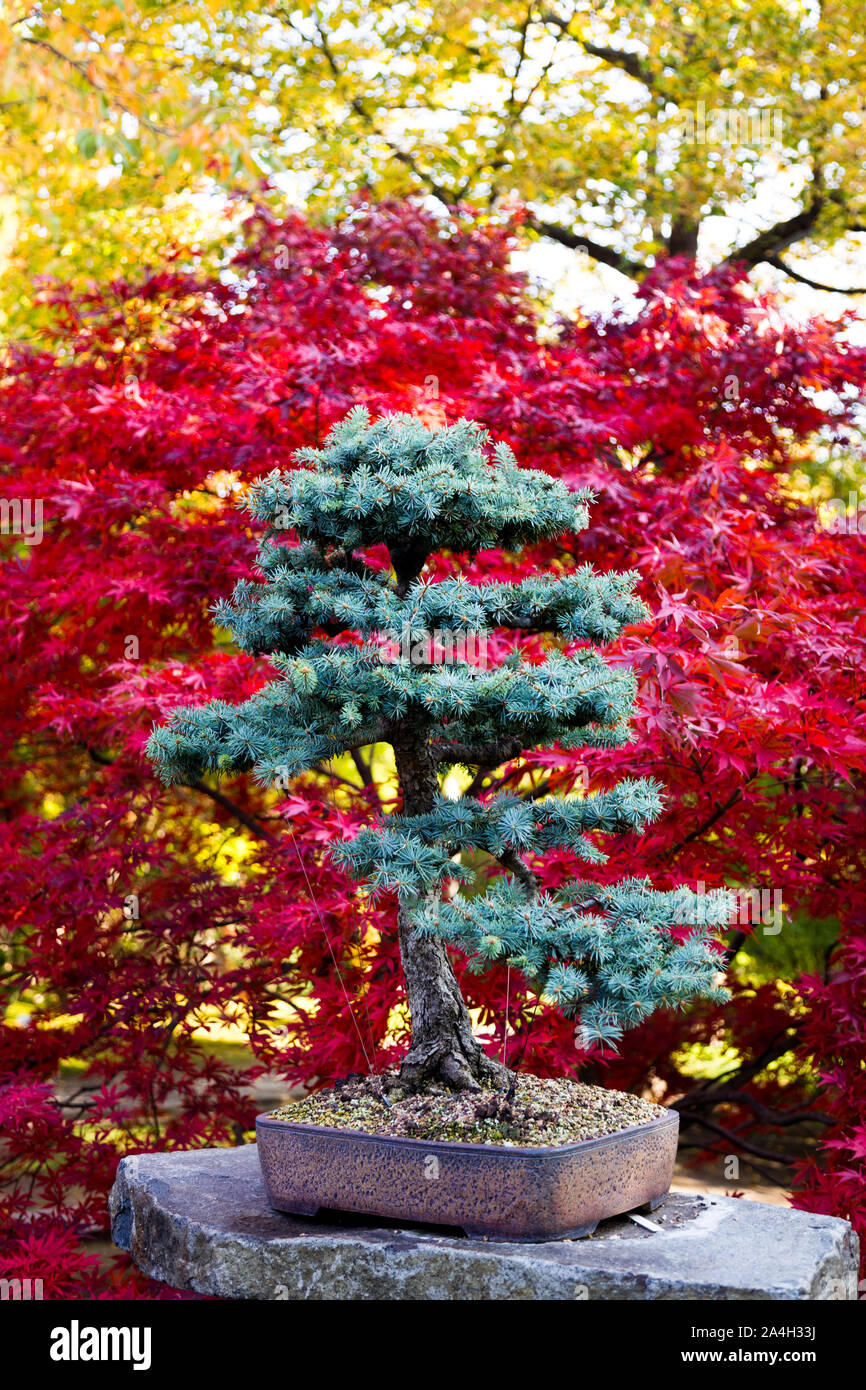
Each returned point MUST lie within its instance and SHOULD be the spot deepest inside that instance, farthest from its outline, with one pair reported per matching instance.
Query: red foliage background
(128, 928)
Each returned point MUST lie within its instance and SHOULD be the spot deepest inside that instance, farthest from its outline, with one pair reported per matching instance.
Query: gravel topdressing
(537, 1112)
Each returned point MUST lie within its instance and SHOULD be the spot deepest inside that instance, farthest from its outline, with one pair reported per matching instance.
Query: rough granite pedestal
(200, 1220)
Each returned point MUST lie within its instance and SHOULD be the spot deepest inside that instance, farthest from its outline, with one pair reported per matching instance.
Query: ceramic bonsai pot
(489, 1190)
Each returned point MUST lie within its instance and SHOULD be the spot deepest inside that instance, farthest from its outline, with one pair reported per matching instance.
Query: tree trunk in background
(683, 240)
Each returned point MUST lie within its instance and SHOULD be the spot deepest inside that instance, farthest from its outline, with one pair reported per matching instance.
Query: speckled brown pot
(502, 1193)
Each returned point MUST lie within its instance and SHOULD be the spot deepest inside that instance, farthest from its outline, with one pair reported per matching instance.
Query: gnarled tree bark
(443, 1047)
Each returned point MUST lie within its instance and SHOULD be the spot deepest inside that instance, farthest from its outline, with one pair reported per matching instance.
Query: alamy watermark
(749, 906)
(441, 647)
(22, 516)
(728, 125)
(77, 1343)
(21, 1290)
(843, 518)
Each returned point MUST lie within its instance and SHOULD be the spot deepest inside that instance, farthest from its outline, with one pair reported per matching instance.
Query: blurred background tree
(627, 129)
(628, 132)
(113, 146)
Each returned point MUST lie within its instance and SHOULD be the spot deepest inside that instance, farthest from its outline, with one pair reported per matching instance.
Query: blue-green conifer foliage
(327, 620)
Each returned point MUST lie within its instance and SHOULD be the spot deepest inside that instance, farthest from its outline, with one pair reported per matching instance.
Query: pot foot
(577, 1233)
(298, 1209)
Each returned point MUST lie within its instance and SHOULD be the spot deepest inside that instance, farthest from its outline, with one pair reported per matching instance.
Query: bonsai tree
(358, 657)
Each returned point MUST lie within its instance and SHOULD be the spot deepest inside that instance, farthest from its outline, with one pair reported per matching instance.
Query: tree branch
(575, 241)
(783, 234)
(720, 809)
(627, 61)
(362, 768)
(445, 195)
(213, 794)
(512, 861)
(491, 754)
(233, 809)
(84, 74)
(813, 284)
(779, 1118)
(732, 1137)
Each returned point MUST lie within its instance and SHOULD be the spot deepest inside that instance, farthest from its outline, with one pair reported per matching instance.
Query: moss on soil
(536, 1112)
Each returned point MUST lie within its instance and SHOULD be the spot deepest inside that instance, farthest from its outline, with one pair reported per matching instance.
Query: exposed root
(460, 1067)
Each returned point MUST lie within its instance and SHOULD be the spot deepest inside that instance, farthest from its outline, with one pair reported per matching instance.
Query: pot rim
(672, 1119)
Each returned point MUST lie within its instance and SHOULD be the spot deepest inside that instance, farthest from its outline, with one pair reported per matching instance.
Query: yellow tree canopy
(625, 127)
(112, 138)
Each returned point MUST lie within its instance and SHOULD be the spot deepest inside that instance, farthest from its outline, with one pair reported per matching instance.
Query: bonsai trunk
(443, 1047)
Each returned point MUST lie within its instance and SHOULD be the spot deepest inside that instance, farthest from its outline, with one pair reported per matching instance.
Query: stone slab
(200, 1220)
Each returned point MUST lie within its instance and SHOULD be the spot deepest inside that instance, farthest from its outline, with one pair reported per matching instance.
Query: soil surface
(533, 1112)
